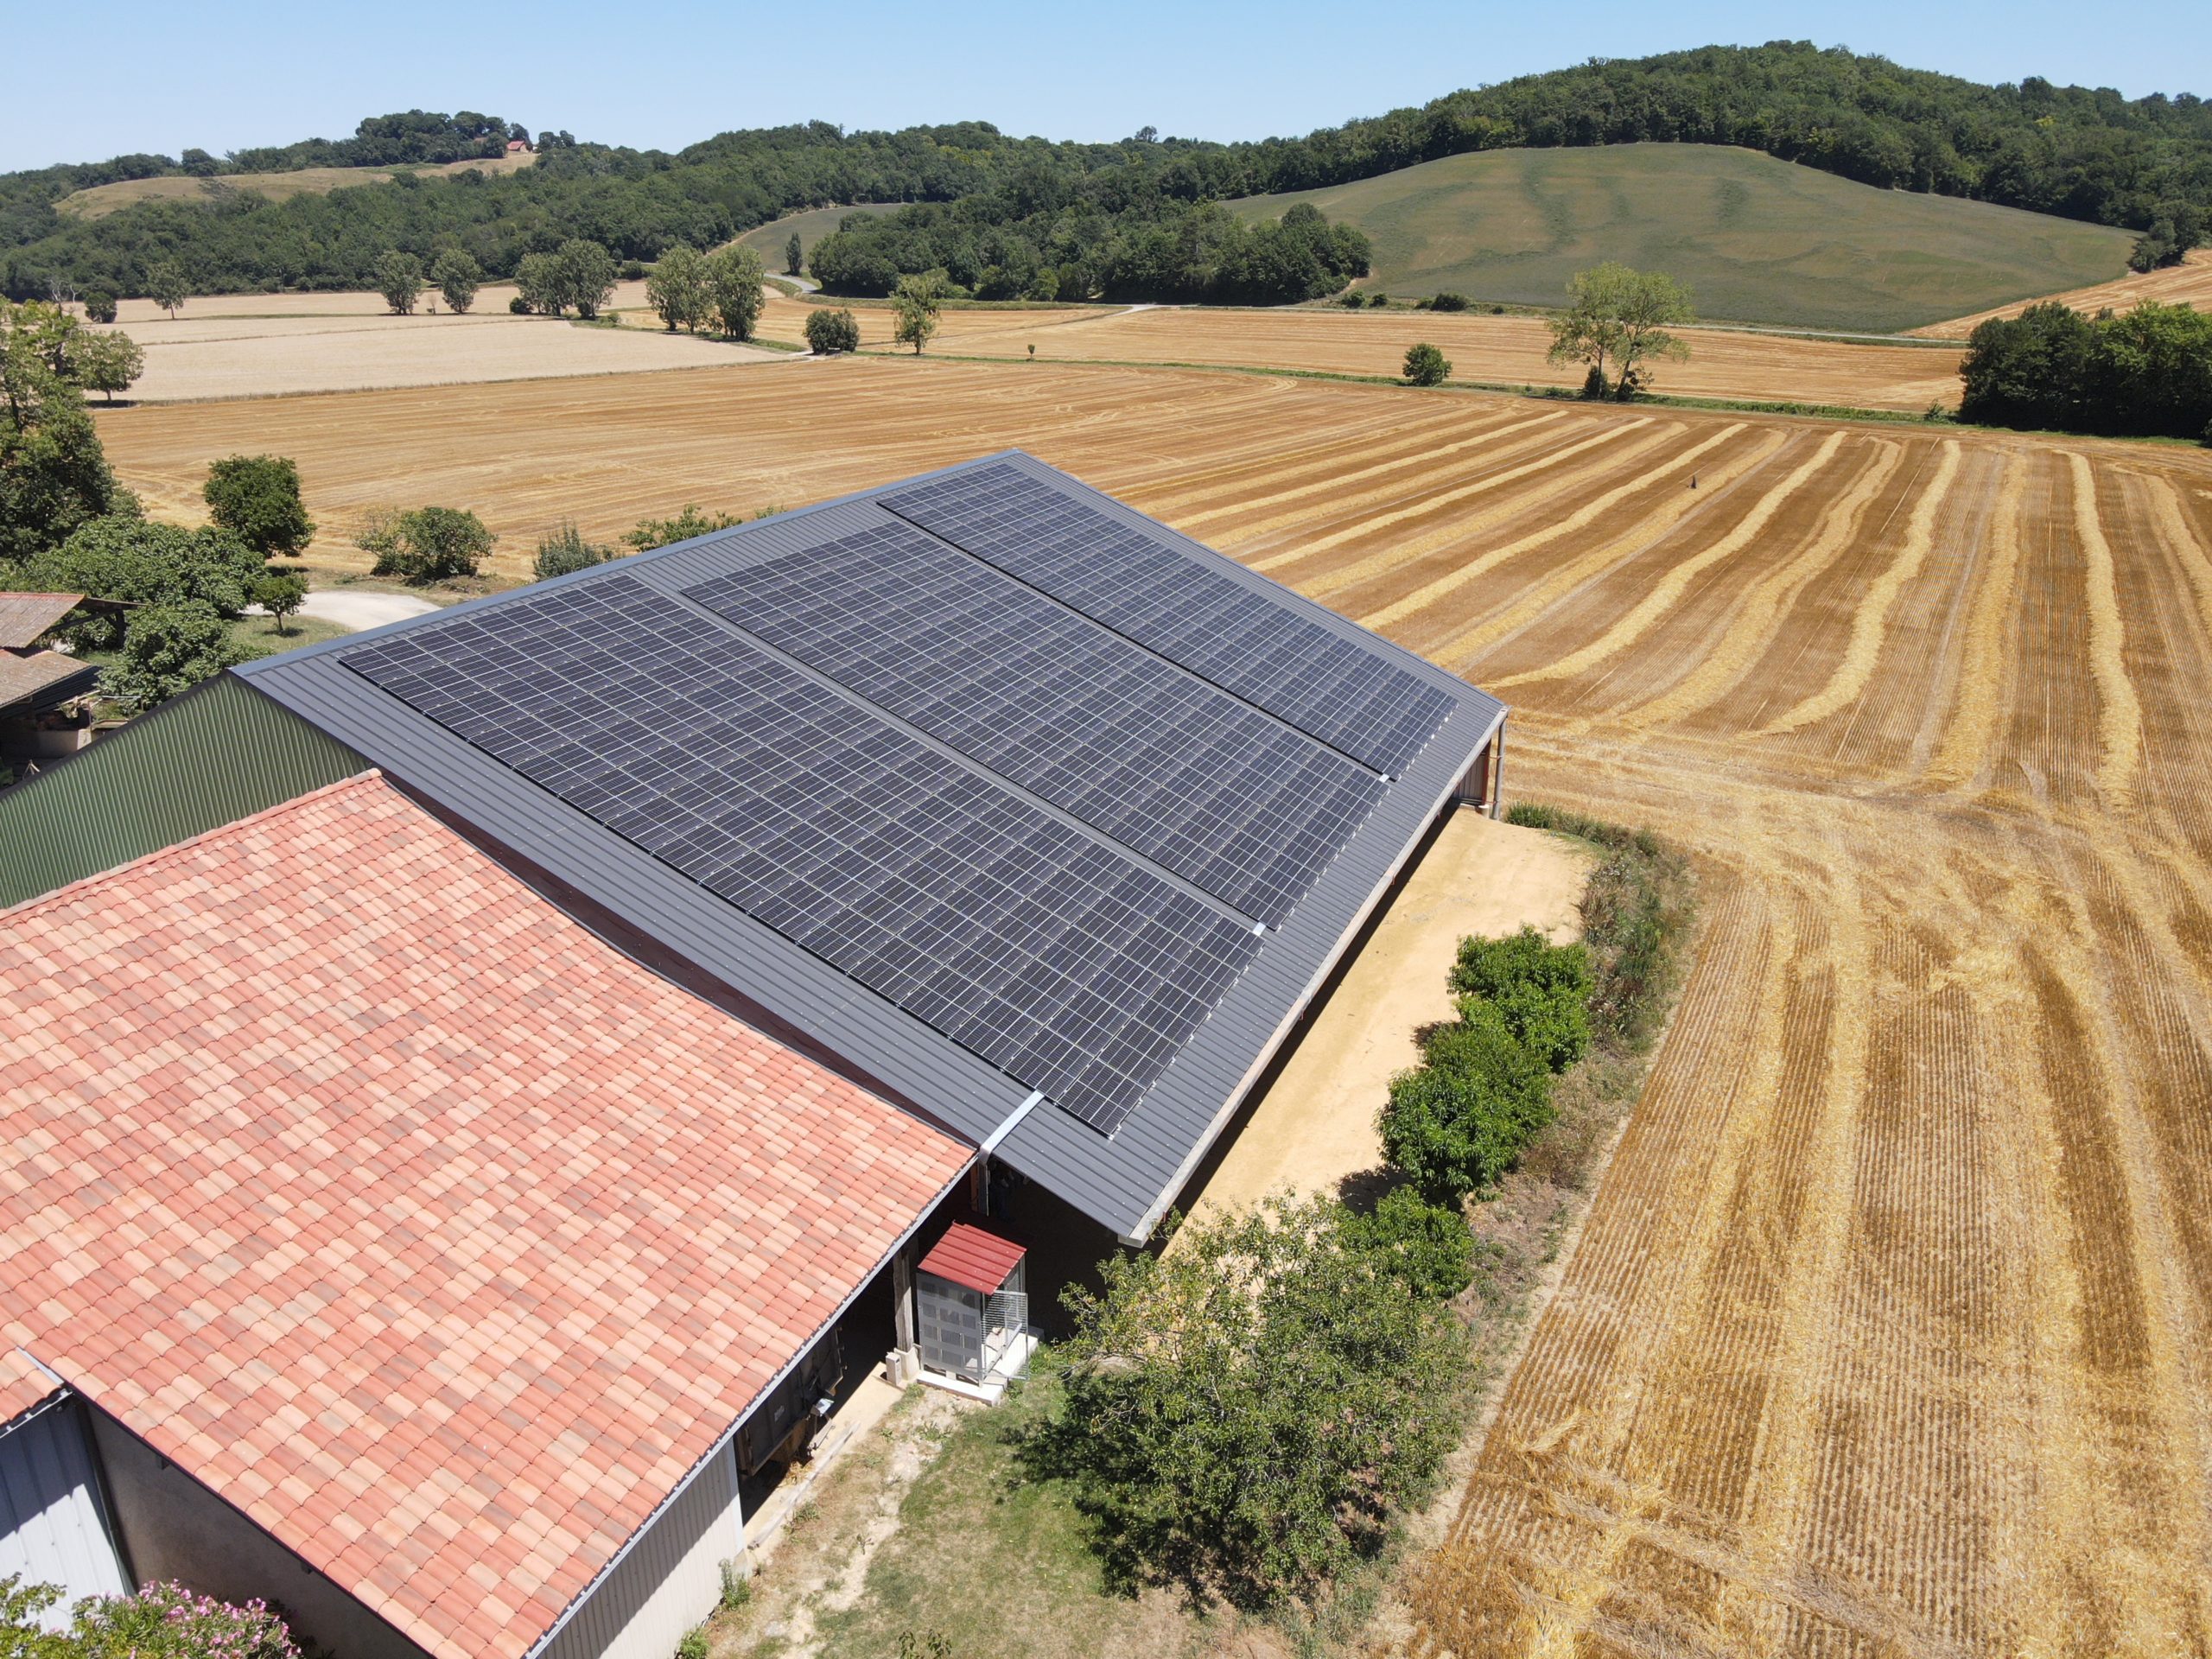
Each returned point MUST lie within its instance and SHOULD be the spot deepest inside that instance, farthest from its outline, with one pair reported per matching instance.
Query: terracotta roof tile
(432, 1232)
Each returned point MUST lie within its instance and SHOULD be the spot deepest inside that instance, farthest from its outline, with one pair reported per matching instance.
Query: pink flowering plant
(162, 1621)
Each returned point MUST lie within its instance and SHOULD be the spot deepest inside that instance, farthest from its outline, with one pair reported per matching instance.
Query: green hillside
(1757, 240)
(767, 240)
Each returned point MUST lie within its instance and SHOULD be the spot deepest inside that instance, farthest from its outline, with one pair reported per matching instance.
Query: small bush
(830, 331)
(1493, 967)
(565, 552)
(1426, 366)
(693, 1644)
(1352, 299)
(1593, 386)
(660, 532)
(167, 1621)
(1454, 1124)
(737, 1587)
(100, 305)
(1497, 310)
(1448, 300)
(280, 593)
(1428, 1247)
(429, 545)
(632, 270)
(519, 305)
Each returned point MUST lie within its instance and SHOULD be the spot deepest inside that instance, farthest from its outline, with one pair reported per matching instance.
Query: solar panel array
(1202, 784)
(1064, 962)
(1297, 670)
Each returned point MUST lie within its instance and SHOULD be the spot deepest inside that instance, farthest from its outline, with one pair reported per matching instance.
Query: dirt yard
(1891, 1329)
(1314, 1128)
(2187, 283)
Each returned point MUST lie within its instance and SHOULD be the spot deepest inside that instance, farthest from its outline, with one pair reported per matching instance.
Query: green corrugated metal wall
(211, 757)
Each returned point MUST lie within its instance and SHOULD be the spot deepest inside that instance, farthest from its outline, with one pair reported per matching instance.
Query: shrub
(279, 593)
(693, 1645)
(429, 545)
(145, 563)
(737, 1588)
(518, 305)
(1552, 1025)
(633, 271)
(1426, 366)
(1447, 301)
(256, 499)
(1244, 1412)
(100, 305)
(1426, 1246)
(566, 551)
(828, 332)
(167, 1621)
(659, 532)
(1352, 299)
(1455, 1123)
(1378, 298)
(1492, 967)
(168, 649)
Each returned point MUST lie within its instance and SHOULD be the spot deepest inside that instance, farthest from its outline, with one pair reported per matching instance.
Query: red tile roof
(969, 1255)
(433, 1233)
(23, 1385)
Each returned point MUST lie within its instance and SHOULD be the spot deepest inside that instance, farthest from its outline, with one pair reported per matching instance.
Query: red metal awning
(969, 1255)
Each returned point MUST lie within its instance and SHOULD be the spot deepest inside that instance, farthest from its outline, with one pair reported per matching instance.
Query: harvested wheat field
(1497, 350)
(1887, 1334)
(2187, 283)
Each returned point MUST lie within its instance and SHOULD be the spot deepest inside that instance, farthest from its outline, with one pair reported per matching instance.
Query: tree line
(2087, 153)
(2142, 373)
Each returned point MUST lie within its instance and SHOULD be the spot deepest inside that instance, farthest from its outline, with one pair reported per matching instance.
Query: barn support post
(1497, 769)
(903, 1361)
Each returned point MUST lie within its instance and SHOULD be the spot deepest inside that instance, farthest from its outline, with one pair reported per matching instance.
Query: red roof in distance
(969, 1255)
(437, 1236)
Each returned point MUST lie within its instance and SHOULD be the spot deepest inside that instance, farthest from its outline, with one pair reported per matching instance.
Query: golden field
(1887, 1333)
(2187, 283)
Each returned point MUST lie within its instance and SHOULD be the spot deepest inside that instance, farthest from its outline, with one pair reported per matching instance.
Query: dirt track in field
(1887, 1334)
(2187, 283)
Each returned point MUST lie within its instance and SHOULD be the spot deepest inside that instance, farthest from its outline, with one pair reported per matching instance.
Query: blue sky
(227, 75)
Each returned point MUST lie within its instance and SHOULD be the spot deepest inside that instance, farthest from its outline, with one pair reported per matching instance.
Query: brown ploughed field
(2187, 283)
(1496, 351)
(1888, 1332)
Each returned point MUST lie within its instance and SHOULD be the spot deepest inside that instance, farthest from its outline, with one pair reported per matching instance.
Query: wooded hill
(1087, 211)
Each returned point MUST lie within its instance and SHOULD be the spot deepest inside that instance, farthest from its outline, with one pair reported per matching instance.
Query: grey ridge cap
(1124, 1181)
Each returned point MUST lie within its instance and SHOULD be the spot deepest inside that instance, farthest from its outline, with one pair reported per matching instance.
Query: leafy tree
(399, 279)
(541, 284)
(143, 562)
(1621, 315)
(794, 260)
(107, 363)
(100, 305)
(280, 593)
(2145, 371)
(256, 499)
(734, 279)
(458, 277)
(168, 649)
(566, 551)
(919, 298)
(1426, 366)
(429, 545)
(53, 475)
(586, 276)
(1447, 301)
(1455, 1123)
(1428, 1247)
(677, 288)
(1244, 1412)
(166, 286)
(660, 532)
(830, 331)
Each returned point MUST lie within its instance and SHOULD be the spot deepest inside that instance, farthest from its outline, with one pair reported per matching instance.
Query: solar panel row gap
(1255, 646)
(1074, 970)
(1196, 780)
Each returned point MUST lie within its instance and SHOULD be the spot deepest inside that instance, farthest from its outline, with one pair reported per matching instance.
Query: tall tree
(53, 475)
(166, 287)
(919, 298)
(256, 499)
(793, 256)
(677, 288)
(458, 275)
(107, 363)
(587, 272)
(1618, 323)
(733, 286)
(399, 279)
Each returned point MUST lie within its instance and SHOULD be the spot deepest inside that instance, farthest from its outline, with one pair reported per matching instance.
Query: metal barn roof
(1042, 818)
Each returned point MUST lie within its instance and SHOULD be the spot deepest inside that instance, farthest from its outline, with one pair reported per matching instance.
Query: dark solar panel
(1057, 959)
(1203, 785)
(1288, 664)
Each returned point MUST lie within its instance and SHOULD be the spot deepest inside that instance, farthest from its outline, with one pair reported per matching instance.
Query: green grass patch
(1756, 239)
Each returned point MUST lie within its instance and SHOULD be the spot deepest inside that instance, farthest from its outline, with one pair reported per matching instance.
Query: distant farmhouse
(479, 1092)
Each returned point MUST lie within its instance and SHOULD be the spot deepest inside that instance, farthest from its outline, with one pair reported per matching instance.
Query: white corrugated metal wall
(52, 1522)
(670, 1581)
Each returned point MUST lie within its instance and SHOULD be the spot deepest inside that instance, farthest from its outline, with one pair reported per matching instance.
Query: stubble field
(2187, 283)
(1887, 1334)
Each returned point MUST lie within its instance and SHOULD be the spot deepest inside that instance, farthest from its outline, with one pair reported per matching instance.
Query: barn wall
(53, 1524)
(671, 1580)
(172, 1527)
